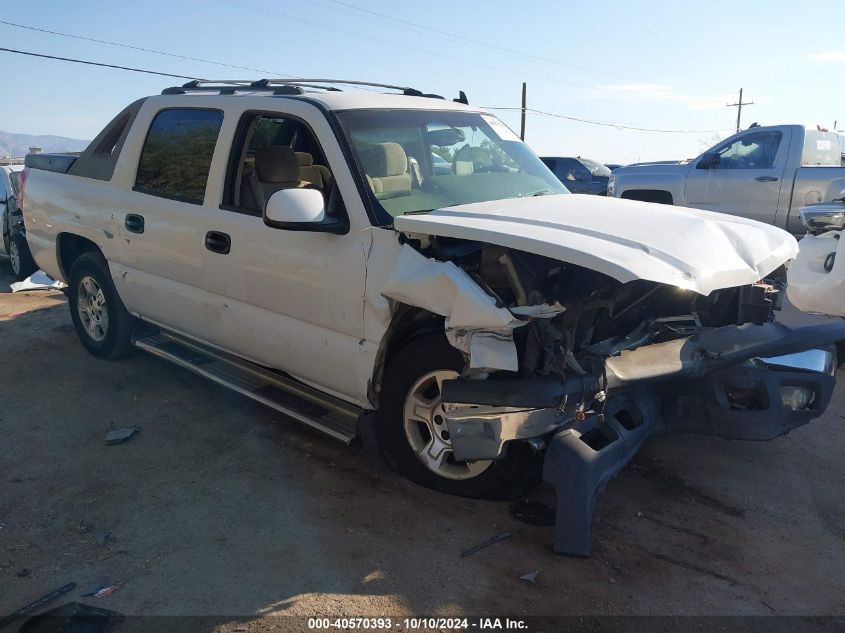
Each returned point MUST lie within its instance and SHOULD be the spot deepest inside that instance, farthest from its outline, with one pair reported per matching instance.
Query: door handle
(766, 178)
(134, 223)
(218, 242)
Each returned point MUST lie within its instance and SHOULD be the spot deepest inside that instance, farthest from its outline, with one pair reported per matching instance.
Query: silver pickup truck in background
(762, 173)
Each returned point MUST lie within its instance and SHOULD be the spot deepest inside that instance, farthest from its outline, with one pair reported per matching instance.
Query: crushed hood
(625, 239)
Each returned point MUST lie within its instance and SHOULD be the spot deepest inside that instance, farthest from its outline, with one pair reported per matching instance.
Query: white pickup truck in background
(762, 173)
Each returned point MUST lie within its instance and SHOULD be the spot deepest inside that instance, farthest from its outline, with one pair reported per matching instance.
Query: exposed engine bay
(589, 315)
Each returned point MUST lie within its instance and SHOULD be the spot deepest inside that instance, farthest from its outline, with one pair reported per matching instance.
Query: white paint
(474, 324)
(809, 287)
(38, 280)
(696, 250)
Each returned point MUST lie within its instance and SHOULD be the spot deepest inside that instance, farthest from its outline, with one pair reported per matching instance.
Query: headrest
(305, 159)
(385, 159)
(276, 163)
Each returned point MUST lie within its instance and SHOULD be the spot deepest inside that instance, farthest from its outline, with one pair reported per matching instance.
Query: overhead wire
(618, 126)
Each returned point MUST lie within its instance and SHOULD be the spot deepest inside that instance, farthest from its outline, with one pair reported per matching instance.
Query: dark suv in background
(580, 175)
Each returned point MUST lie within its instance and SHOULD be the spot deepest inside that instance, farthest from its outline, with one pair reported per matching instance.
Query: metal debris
(530, 578)
(487, 543)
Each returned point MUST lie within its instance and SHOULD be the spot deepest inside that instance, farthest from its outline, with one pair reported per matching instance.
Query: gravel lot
(220, 507)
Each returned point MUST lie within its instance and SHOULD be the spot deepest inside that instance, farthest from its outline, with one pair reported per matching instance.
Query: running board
(279, 392)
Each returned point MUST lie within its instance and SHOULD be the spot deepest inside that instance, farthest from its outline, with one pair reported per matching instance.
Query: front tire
(103, 324)
(20, 258)
(414, 437)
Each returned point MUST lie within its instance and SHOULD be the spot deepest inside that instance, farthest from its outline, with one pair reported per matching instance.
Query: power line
(532, 110)
(140, 48)
(474, 41)
(327, 27)
(618, 126)
(82, 61)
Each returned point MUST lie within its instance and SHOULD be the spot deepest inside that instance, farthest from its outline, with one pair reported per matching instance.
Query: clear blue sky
(670, 65)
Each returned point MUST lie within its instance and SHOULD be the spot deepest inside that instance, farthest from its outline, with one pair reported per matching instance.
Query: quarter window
(176, 157)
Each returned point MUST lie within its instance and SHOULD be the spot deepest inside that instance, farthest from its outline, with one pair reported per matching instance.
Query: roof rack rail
(292, 86)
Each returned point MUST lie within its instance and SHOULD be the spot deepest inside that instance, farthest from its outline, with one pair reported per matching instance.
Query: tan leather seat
(318, 175)
(386, 167)
(276, 167)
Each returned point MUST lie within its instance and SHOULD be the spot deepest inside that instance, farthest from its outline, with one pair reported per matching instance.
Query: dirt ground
(221, 507)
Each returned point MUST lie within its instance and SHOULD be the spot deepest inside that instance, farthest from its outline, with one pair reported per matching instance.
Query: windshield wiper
(418, 212)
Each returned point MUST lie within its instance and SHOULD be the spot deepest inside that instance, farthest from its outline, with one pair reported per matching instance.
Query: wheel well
(649, 195)
(407, 324)
(70, 247)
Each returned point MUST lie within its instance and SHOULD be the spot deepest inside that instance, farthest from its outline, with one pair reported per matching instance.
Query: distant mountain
(17, 145)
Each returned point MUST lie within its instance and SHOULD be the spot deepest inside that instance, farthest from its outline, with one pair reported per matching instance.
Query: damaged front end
(585, 367)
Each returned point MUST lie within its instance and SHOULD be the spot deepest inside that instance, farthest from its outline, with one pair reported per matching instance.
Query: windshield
(419, 160)
(596, 169)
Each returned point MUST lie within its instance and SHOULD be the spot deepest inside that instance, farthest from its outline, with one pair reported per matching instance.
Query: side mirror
(300, 210)
(823, 217)
(708, 160)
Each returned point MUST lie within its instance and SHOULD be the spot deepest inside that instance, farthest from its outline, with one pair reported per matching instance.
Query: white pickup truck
(762, 173)
(477, 327)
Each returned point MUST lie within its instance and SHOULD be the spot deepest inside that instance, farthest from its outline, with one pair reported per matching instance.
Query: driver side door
(745, 180)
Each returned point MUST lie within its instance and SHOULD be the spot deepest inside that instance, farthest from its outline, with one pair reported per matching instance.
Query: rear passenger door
(162, 221)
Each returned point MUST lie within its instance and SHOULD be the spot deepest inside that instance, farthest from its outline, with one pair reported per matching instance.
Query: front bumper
(589, 435)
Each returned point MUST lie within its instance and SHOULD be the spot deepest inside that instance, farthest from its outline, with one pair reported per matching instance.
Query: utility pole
(738, 105)
(522, 126)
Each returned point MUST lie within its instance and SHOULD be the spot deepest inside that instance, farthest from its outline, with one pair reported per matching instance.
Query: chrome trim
(480, 431)
(823, 217)
(818, 360)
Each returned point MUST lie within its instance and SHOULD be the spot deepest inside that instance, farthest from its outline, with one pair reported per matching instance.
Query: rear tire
(413, 434)
(20, 258)
(103, 324)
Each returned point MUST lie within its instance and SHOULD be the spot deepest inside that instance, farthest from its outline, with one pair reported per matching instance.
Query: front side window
(419, 160)
(176, 157)
(756, 150)
(273, 152)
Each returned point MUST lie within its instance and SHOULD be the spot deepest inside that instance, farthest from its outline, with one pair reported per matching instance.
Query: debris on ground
(487, 543)
(96, 588)
(37, 604)
(118, 436)
(73, 617)
(533, 512)
(106, 591)
(530, 578)
(38, 280)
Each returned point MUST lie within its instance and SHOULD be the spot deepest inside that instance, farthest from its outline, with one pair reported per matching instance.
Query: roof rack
(291, 86)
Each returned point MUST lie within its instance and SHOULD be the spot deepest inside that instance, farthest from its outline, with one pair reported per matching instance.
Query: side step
(275, 390)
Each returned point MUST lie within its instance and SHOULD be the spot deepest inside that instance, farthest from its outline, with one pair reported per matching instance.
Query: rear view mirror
(708, 160)
(300, 210)
(445, 137)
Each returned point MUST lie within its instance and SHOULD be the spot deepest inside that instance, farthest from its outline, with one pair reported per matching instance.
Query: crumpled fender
(474, 323)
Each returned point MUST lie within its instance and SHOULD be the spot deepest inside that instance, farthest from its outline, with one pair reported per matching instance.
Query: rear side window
(177, 154)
